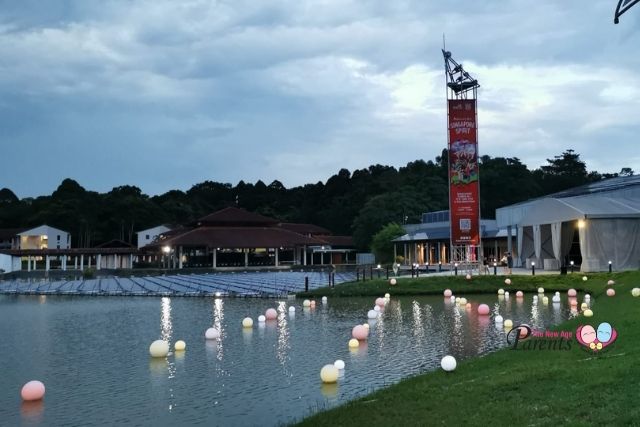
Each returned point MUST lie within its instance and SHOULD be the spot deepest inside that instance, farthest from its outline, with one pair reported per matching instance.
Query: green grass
(515, 387)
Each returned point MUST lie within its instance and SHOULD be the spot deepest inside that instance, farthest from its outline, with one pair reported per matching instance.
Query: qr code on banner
(465, 224)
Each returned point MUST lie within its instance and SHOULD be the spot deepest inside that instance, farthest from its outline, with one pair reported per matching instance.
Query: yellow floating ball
(354, 343)
(635, 292)
(329, 374)
(180, 345)
(159, 348)
(588, 313)
(508, 323)
(247, 322)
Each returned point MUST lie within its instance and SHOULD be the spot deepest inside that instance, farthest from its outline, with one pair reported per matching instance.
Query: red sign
(464, 197)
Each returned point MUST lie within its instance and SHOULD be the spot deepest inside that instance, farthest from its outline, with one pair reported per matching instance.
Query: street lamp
(609, 266)
(533, 268)
(455, 266)
(166, 250)
(495, 268)
(571, 262)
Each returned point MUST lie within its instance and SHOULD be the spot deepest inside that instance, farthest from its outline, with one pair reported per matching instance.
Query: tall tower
(464, 176)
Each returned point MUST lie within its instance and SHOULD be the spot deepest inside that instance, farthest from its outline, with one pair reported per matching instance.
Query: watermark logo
(596, 339)
(518, 338)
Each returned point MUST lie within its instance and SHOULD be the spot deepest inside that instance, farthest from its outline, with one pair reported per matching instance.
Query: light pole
(571, 262)
(455, 266)
(533, 268)
(495, 268)
(167, 251)
(610, 267)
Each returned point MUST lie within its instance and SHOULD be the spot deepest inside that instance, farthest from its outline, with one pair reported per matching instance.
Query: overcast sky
(164, 94)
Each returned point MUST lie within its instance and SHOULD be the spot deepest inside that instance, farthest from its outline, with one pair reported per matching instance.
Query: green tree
(382, 242)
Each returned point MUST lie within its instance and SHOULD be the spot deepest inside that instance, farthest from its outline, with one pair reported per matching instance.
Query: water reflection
(32, 412)
(329, 390)
(218, 323)
(283, 334)
(418, 325)
(165, 320)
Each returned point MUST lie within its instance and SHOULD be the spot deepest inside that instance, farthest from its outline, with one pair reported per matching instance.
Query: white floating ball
(306, 303)
(611, 283)
(499, 319)
(468, 277)
(635, 292)
(212, 334)
(611, 292)
(584, 278)
(339, 364)
(508, 323)
(261, 319)
(387, 295)
(507, 281)
(292, 309)
(324, 300)
(271, 314)
(247, 322)
(159, 348)
(372, 314)
(180, 345)
(329, 374)
(556, 298)
(448, 293)
(392, 282)
(376, 308)
(33, 390)
(519, 294)
(535, 298)
(448, 363)
(541, 290)
(500, 291)
(587, 297)
(452, 298)
(506, 294)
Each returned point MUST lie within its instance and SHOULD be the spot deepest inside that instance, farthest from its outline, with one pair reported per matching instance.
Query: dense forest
(357, 203)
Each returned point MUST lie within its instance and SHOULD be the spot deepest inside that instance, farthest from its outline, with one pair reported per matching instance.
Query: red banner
(464, 197)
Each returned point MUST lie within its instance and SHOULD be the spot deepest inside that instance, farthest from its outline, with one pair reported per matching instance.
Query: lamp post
(495, 268)
(378, 268)
(455, 266)
(533, 268)
(439, 266)
(167, 251)
(609, 266)
(571, 263)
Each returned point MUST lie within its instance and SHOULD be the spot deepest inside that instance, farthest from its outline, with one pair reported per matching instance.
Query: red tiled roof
(337, 240)
(304, 228)
(238, 237)
(233, 216)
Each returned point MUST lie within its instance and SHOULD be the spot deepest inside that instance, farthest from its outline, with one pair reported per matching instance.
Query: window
(147, 237)
(58, 244)
(58, 237)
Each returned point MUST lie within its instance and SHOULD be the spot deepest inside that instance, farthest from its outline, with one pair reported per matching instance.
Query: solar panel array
(249, 284)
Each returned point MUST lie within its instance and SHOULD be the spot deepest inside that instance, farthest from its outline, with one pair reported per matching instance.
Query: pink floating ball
(380, 302)
(271, 314)
(483, 309)
(313, 303)
(392, 282)
(359, 332)
(573, 302)
(507, 281)
(447, 293)
(572, 292)
(519, 294)
(610, 292)
(33, 390)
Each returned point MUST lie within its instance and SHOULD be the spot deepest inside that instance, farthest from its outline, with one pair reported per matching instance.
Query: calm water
(92, 355)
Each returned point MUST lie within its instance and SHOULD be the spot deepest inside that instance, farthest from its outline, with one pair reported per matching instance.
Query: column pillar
(64, 263)
(246, 257)
(509, 239)
(277, 249)
(89, 261)
(98, 262)
(130, 260)
(75, 262)
(215, 257)
(439, 253)
(47, 263)
(28, 262)
(322, 258)
(395, 252)
(304, 255)
(180, 257)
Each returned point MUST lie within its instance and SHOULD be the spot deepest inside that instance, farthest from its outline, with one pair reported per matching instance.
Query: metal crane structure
(622, 7)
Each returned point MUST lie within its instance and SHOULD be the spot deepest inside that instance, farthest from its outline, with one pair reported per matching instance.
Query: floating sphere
(483, 309)
(329, 374)
(635, 292)
(339, 364)
(271, 314)
(584, 306)
(545, 300)
(588, 313)
(535, 298)
(584, 278)
(306, 303)
(508, 323)
(354, 343)
(448, 363)
(572, 292)
(376, 308)
(587, 297)
(519, 294)
(573, 302)
(392, 282)
(463, 301)
(312, 303)
(247, 322)
(180, 345)
(507, 281)
(500, 291)
(541, 290)
(261, 319)
(387, 296)
(468, 306)
(452, 298)
(359, 332)
(212, 334)
(556, 298)
(366, 325)
(159, 348)
(448, 293)
(457, 300)
(611, 292)
(292, 309)
(324, 300)
(506, 294)
(380, 302)
(468, 277)
(611, 283)
(33, 390)
(498, 319)
(372, 314)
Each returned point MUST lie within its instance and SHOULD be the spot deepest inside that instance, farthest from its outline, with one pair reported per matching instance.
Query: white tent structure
(606, 215)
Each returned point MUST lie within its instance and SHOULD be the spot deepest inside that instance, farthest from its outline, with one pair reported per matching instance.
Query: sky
(164, 94)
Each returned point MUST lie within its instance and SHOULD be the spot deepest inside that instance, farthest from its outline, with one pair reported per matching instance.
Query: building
(150, 235)
(592, 226)
(233, 237)
(428, 243)
(42, 237)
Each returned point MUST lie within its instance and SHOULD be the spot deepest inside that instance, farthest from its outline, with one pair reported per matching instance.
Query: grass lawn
(514, 387)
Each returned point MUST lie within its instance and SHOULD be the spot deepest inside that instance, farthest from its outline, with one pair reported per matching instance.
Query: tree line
(357, 203)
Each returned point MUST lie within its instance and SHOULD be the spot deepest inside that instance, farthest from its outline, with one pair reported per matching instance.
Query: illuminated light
(329, 374)
(508, 323)
(180, 345)
(247, 322)
(483, 309)
(635, 292)
(354, 343)
(261, 319)
(500, 291)
(447, 293)
(582, 223)
(519, 294)
(588, 313)
(372, 314)
(159, 348)
(212, 334)
(611, 292)
(387, 296)
(507, 281)
(498, 319)
(271, 314)
(166, 249)
(572, 292)
(611, 282)
(392, 282)
(541, 290)
(306, 303)
(584, 278)
(448, 363)
(339, 364)
(380, 302)
(33, 390)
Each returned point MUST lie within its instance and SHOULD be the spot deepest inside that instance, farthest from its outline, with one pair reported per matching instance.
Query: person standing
(509, 262)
